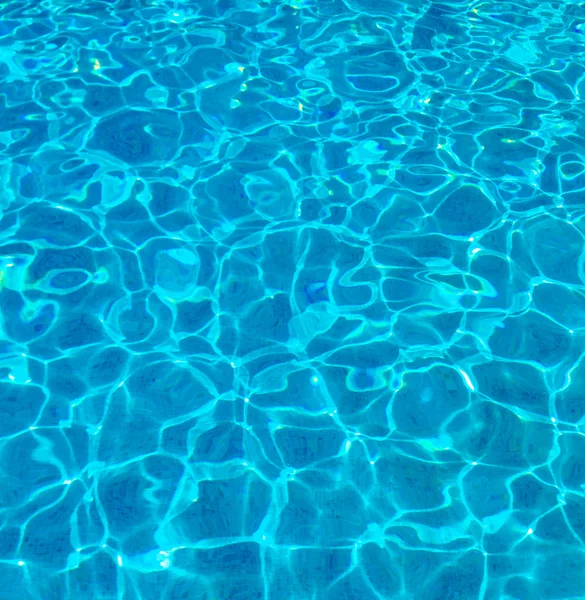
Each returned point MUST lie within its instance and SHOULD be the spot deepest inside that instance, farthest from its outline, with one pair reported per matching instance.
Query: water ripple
(292, 300)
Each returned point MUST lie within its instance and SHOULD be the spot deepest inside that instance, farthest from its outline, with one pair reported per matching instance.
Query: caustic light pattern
(292, 300)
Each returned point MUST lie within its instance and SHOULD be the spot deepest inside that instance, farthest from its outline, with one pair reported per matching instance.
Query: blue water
(292, 300)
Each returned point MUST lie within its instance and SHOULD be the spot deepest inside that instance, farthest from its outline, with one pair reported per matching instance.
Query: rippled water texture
(292, 300)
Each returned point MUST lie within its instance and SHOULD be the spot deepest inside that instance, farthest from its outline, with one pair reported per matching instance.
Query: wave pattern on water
(292, 299)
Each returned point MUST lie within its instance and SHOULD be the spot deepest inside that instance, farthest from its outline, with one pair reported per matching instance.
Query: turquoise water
(292, 300)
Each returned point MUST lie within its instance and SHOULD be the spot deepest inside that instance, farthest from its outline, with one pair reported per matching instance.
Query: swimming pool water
(292, 300)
